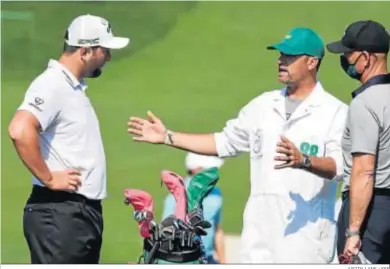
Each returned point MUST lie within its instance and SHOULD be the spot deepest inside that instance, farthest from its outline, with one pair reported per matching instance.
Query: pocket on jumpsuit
(309, 237)
(327, 240)
(321, 240)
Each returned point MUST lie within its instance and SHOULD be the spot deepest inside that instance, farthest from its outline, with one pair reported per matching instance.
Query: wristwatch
(168, 138)
(349, 233)
(306, 163)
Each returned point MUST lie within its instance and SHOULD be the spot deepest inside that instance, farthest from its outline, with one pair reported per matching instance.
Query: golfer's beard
(96, 73)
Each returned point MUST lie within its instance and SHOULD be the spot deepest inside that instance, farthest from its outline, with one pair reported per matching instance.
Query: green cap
(301, 41)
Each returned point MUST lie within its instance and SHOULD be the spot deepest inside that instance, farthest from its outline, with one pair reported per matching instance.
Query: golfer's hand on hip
(66, 180)
(150, 130)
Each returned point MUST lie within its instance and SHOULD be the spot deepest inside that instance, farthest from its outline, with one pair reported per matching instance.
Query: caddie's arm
(332, 164)
(199, 143)
(36, 113)
(232, 140)
(364, 128)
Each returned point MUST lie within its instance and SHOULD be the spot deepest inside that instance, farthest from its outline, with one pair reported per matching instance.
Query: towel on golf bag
(178, 241)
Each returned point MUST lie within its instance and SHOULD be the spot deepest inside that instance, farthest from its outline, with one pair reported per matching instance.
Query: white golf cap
(194, 161)
(89, 31)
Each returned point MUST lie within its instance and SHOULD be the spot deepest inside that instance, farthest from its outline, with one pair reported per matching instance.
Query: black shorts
(62, 227)
(375, 231)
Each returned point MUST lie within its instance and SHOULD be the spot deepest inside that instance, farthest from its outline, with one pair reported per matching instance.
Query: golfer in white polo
(56, 134)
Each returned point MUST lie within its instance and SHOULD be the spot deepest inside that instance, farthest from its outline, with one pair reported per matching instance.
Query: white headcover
(194, 161)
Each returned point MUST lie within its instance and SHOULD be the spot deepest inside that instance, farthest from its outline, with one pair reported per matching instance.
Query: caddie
(293, 136)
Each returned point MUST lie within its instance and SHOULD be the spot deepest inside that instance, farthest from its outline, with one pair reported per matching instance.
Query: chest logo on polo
(309, 149)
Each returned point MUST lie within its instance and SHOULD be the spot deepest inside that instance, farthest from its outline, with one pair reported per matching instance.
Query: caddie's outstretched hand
(150, 130)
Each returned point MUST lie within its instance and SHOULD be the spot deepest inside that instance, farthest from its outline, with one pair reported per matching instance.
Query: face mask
(350, 69)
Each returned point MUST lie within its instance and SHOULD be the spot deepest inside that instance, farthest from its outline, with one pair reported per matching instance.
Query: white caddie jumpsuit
(289, 216)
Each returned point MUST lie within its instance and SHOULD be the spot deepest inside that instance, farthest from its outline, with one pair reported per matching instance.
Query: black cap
(367, 36)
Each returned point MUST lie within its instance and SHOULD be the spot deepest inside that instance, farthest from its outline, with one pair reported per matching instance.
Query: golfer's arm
(361, 188)
(23, 130)
(220, 244)
(324, 167)
(197, 143)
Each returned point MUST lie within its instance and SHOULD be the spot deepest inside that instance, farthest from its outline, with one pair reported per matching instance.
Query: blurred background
(194, 64)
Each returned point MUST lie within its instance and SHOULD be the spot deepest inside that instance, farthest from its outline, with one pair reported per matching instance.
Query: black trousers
(375, 231)
(62, 227)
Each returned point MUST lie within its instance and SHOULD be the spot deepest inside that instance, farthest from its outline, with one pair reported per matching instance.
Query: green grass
(194, 64)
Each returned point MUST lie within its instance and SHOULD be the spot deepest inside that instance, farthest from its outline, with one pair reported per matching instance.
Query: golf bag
(177, 239)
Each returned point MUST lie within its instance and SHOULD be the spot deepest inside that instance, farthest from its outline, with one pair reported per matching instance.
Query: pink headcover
(141, 201)
(175, 185)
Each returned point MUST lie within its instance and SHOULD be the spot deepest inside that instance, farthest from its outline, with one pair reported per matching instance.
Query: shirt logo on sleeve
(36, 104)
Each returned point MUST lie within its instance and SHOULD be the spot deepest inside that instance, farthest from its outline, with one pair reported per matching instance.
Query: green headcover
(200, 185)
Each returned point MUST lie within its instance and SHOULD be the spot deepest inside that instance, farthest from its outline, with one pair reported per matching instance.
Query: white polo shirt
(70, 136)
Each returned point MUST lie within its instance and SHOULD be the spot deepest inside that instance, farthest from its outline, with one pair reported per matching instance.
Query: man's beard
(96, 73)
